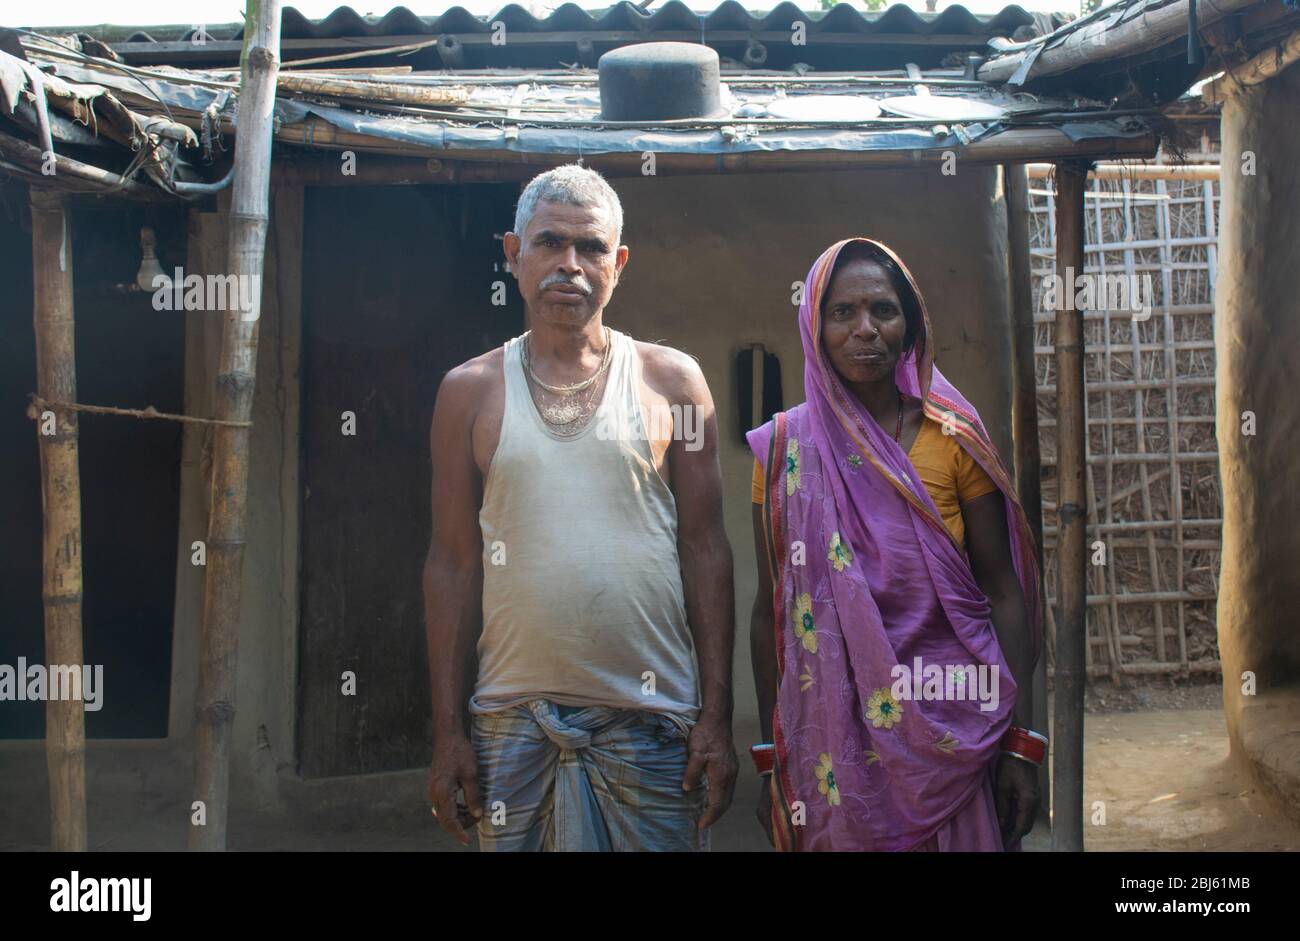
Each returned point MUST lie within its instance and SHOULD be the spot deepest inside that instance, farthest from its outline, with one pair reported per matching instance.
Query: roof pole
(228, 510)
(56, 382)
(1072, 517)
(1024, 410)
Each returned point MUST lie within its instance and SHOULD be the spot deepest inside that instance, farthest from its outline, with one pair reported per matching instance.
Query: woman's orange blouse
(950, 475)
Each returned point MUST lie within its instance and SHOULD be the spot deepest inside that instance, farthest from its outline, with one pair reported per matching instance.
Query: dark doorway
(397, 290)
(128, 354)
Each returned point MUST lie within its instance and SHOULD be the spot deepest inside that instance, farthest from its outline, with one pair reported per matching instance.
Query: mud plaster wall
(710, 271)
(1257, 336)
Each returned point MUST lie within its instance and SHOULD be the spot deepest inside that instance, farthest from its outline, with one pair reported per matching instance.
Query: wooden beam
(70, 174)
(1094, 43)
(381, 162)
(1072, 516)
(56, 381)
(237, 372)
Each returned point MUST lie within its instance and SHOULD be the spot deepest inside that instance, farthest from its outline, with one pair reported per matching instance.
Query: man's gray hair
(572, 184)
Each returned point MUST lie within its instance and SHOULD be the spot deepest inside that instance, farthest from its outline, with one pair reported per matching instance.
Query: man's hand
(454, 767)
(710, 752)
(1016, 796)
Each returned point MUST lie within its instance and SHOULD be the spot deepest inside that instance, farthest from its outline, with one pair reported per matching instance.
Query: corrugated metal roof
(841, 39)
(670, 17)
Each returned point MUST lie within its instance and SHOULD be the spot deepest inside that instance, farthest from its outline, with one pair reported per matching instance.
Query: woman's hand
(1016, 795)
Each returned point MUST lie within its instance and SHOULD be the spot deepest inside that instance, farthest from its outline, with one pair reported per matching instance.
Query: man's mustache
(554, 279)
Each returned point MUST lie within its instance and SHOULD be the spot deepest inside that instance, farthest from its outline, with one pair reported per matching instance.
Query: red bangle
(763, 756)
(1026, 744)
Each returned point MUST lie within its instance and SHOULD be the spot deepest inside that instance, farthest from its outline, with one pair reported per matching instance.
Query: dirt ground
(1156, 756)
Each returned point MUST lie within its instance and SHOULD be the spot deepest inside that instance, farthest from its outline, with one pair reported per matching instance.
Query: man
(581, 546)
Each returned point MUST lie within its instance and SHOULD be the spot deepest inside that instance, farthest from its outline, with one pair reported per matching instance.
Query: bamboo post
(56, 433)
(1171, 409)
(1107, 576)
(1024, 412)
(228, 512)
(1025, 406)
(1139, 427)
(1072, 518)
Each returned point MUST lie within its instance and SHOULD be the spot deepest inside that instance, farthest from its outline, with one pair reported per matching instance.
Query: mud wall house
(380, 280)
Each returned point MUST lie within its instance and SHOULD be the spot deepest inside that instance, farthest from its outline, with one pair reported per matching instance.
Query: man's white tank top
(582, 588)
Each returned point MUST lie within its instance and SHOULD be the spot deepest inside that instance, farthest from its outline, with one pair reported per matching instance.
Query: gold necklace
(570, 415)
(577, 386)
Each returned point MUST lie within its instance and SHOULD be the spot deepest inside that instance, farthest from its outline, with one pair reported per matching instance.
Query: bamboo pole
(1125, 171)
(1141, 526)
(1139, 427)
(1171, 409)
(1200, 382)
(1147, 597)
(1092, 41)
(1175, 309)
(1264, 65)
(1072, 515)
(1161, 669)
(56, 378)
(1107, 573)
(72, 174)
(228, 511)
(1024, 412)
(368, 91)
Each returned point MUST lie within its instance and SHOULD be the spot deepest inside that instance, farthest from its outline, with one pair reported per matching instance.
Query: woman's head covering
(917, 376)
(914, 369)
(870, 587)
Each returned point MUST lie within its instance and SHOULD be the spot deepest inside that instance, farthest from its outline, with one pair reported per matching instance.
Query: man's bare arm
(707, 577)
(702, 543)
(453, 595)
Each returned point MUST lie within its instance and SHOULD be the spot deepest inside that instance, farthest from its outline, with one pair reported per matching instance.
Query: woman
(890, 542)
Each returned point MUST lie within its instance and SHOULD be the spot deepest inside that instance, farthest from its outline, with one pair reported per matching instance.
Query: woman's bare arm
(990, 557)
(762, 631)
(1015, 792)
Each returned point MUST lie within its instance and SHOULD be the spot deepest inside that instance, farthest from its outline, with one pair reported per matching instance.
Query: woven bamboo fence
(1154, 509)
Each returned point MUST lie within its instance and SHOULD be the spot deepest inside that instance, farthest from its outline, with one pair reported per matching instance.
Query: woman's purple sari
(866, 577)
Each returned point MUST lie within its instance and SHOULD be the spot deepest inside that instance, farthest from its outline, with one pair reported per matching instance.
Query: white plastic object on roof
(824, 108)
(942, 108)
